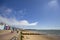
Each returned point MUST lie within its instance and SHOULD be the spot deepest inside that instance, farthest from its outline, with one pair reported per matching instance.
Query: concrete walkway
(9, 35)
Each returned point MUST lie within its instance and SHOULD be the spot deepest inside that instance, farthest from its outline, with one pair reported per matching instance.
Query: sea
(48, 32)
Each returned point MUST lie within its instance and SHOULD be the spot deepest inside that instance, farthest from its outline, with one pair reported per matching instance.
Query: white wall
(1, 27)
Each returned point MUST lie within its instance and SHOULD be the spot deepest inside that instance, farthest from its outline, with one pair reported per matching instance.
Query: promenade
(7, 35)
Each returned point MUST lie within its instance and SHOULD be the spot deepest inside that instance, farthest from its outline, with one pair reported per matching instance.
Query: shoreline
(30, 35)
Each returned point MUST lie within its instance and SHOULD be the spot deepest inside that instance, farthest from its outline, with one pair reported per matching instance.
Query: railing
(14, 38)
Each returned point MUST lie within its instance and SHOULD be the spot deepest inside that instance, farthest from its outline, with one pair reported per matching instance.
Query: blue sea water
(48, 32)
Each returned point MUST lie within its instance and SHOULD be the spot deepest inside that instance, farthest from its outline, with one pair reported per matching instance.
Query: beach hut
(2, 26)
(7, 27)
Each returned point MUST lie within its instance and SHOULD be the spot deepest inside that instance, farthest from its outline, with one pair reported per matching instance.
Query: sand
(38, 37)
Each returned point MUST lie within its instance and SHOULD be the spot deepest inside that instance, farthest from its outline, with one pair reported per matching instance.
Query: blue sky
(34, 14)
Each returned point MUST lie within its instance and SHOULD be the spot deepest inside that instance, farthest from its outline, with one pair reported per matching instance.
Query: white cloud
(25, 22)
(5, 10)
(22, 12)
(53, 4)
(8, 11)
(14, 22)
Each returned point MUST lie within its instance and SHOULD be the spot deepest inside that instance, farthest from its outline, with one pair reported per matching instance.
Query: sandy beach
(38, 37)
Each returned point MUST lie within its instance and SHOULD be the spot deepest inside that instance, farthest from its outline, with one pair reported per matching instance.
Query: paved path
(8, 36)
